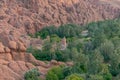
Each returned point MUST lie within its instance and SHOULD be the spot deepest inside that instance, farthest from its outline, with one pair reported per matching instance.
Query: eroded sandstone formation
(31, 15)
(21, 17)
(14, 62)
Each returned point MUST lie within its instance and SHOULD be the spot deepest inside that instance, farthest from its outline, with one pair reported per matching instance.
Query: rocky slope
(31, 15)
(21, 17)
(14, 61)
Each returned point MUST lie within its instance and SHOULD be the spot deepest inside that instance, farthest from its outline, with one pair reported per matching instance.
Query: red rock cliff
(20, 17)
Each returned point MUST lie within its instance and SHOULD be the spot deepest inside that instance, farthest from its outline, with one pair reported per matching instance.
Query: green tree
(51, 76)
(74, 77)
(32, 74)
(95, 62)
(58, 71)
(96, 77)
(115, 64)
(67, 71)
(80, 64)
(107, 76)
(105, 72)
(55, 73)
(107, 49)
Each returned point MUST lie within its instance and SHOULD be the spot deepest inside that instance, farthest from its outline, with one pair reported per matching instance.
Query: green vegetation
(94, 49)
(68, 30)
(74, 77)
(32, 74)
(55, 74)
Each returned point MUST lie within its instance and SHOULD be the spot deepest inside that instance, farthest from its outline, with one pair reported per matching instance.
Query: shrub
(74, 77)
(55, 74)
(108, 76)
(51, 76)
(32, 74)
(96, 77)
(67, 71)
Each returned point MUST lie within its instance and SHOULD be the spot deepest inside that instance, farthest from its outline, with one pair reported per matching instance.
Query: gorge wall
(31, 15)
(21, 17)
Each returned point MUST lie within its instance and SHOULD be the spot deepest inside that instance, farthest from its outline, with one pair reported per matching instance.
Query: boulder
(13, 45)
(5, 56)
(16, 67)
(3, 62)
(29, 65)
(8, 74)
(1, 48)
(54, 62)
(70, 63)
(7, 50)
(61, 63)
(21, 46)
